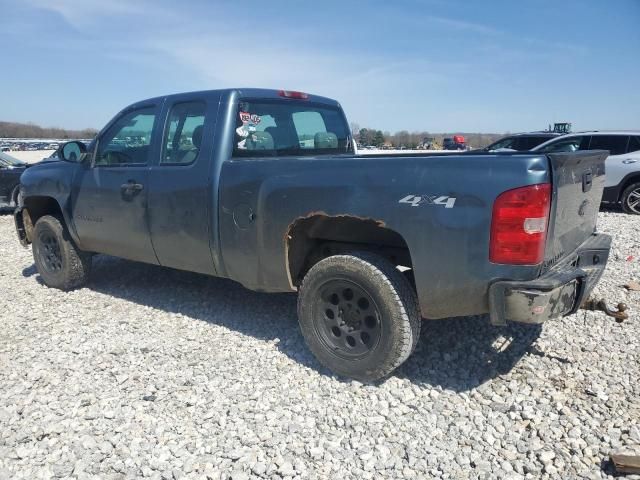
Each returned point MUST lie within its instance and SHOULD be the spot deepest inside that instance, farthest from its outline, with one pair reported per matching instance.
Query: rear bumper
(557, 293)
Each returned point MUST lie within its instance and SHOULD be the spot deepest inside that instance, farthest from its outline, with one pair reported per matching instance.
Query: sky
(435, 65)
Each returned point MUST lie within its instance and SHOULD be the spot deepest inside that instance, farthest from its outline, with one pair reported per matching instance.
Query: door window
(634, 145)
(183, 134)
(616, 144)
(128, 140)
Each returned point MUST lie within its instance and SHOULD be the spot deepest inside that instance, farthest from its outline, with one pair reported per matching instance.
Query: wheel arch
(318, 235)
(35, 207)
(626, 181)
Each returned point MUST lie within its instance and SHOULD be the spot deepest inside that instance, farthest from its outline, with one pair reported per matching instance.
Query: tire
(631, 199)
(60, 263)
(380, 315)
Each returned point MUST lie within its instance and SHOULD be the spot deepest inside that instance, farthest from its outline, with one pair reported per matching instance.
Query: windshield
(9, 161)
(268, 127)
(508, 142)
(520, 143)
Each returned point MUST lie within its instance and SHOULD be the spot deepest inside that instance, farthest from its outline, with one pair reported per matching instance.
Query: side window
(127, 141)
(584, 144)
(183, 133)
(571, 144)
(505, 143)
(634, 145)
(309, 126)
(532, 142)
(616, 144)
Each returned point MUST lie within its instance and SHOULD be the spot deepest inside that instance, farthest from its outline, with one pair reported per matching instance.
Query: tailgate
(578, 182)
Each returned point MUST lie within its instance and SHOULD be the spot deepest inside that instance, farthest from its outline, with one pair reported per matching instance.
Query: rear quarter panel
(448, 246)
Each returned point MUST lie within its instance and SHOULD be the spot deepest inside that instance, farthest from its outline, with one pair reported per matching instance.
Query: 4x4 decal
(417, 200)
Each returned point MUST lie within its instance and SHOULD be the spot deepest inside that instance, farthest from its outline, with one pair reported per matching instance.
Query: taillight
(292, 94)
(519, 225)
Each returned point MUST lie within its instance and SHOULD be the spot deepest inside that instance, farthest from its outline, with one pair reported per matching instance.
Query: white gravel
(165, 374)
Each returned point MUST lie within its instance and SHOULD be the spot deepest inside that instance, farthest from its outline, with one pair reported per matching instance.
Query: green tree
(378, 139)
(365, 137)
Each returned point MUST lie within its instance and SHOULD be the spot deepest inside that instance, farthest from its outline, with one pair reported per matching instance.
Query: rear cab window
(266, 127)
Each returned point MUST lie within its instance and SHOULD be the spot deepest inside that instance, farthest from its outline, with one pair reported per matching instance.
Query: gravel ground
(165, 374)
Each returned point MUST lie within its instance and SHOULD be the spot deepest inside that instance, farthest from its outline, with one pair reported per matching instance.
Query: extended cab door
(110, 198)
(181, 195)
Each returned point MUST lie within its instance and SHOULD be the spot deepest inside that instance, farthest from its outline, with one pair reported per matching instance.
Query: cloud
(463, 25)
(78, 11)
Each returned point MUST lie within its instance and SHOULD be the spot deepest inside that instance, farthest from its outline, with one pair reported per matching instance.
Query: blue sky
(491, 66)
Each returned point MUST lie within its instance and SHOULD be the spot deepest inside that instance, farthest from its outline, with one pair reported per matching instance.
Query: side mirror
(73, 152)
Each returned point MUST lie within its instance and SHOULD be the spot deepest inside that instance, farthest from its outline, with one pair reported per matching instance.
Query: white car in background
(622, 167)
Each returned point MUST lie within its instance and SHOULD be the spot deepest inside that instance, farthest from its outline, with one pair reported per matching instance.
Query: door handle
(131, 186)
(628, 161)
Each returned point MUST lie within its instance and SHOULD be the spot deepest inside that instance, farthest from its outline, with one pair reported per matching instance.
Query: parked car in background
(10, 171)
(455, 143)
(521, 142)
(622, 182)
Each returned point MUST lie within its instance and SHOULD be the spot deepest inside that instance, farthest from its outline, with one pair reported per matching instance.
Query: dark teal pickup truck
(264, 187)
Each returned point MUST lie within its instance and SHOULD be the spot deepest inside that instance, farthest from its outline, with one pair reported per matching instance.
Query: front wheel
(60, 263)
(631, 199)
(359, 315)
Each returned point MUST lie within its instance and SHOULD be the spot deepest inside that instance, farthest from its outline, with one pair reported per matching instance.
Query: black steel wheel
(60, 263)
(359, 315)
(347, 318)
(49, 251)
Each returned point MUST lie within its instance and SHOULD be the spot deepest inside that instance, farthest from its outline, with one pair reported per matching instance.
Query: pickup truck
(263, 187)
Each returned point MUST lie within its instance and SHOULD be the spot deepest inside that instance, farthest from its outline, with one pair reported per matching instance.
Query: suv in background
(521, 141)
(622, 182)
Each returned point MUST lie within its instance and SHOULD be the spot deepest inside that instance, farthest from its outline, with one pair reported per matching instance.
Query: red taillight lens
(292, 94)
(519, 225)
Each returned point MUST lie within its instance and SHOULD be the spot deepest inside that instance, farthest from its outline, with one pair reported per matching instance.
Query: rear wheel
(631, 199)
(359, 315)
(60, 263)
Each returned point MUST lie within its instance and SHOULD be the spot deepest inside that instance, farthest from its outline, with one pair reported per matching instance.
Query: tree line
(406, 139)
(364, 136)
(31, 130)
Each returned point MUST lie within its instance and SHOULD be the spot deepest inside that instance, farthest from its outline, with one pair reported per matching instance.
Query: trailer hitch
(593, 304)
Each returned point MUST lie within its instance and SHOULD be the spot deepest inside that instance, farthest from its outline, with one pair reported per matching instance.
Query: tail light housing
(519, 225)
(293, 94)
